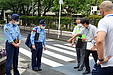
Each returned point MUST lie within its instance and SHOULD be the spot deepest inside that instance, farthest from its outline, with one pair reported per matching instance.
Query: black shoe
(76, 67)
(39, 69)
(80, 69)
(86, 72)
(35, 69)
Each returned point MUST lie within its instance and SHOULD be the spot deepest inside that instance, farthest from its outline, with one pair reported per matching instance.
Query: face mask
(42, 27)
(16, 23)
(102, 14)
(79, 25)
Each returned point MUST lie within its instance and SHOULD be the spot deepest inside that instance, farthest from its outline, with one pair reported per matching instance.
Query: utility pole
(32, 7)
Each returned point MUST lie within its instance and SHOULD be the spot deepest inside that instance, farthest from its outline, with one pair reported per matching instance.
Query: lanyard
(88, 30)
(109, 15)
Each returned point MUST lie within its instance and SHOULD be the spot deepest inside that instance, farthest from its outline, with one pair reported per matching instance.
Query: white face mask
(42, 27)
(16, 23)
(79, 25)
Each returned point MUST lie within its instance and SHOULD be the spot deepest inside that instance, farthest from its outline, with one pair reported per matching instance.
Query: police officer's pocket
(10, 32)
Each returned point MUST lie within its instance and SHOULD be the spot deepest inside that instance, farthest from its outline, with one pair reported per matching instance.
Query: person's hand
(17, 45)
(83, 39)
(69, 40)
(33, 46)
(105, 60)
(93, 48)
(71, 44)
(44, 48)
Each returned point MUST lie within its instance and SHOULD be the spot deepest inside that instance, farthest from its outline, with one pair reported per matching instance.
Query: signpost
(60, 2)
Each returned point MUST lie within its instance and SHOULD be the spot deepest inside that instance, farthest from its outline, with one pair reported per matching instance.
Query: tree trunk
(39, 8)
(23, 9)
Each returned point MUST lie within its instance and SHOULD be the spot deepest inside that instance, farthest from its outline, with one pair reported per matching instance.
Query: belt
(38, 42)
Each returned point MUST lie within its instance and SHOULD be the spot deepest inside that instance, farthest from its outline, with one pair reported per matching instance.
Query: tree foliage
(69, 7)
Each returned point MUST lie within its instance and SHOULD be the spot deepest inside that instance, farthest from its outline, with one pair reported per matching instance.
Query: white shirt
(91, 33)
(106, 24)
(75, 29)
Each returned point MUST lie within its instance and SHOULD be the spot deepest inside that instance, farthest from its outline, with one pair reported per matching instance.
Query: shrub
(94, 18)
(2, 21)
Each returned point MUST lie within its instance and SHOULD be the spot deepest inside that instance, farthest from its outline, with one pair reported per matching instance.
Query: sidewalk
(22, 64)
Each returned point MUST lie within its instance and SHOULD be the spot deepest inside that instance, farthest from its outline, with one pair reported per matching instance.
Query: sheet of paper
(89, 46)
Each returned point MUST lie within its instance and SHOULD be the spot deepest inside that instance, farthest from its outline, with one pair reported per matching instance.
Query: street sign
(60, 1)
(93, 8)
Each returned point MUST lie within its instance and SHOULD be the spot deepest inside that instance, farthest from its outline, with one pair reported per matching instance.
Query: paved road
(58, 59)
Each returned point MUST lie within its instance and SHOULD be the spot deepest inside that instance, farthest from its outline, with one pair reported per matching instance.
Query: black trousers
(86, 58)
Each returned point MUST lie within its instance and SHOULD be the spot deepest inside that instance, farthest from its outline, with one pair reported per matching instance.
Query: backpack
(28, 41)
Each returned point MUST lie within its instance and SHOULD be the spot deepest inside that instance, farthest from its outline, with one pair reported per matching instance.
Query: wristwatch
(101, 59)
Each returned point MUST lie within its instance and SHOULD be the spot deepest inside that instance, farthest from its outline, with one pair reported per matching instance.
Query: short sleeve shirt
(90, 33)
(106, 25)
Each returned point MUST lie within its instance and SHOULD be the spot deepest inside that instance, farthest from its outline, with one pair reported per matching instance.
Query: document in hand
(89, 46)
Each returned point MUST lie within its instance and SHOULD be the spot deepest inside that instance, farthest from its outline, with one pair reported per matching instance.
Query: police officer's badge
(17, 29)
(6, 29)
(33, 32)
(43, 34)
(44, 22)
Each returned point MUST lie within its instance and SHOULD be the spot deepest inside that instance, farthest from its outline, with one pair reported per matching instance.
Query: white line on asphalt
(44, 60)
(67, 47)
(61, 50)
(58, 56)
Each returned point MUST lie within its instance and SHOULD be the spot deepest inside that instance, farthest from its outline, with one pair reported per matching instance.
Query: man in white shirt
(104, 41)
(80, 52)
(90, 32)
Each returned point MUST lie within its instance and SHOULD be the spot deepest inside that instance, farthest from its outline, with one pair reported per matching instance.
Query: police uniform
(12, 32)
(38, 38)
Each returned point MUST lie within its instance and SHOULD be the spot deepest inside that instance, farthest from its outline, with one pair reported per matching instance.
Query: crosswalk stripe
(44, 60)
(61, 50)
(67, 47)
(49, 40)
(58, 56)
(90, 57)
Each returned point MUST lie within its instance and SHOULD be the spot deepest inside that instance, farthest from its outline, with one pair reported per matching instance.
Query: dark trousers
(80, 55)
(86, 59)
(36, 55)
(97, 70)
(12, 56)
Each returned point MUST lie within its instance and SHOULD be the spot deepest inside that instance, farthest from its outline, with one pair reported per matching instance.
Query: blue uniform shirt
(42, 35)
(11, 32)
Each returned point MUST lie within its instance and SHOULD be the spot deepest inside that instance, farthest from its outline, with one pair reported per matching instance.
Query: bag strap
(35, 30)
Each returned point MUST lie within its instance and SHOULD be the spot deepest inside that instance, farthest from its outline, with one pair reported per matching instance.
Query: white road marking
(44, 60)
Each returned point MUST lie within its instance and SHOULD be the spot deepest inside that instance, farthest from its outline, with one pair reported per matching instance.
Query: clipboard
(37, 36)
(89, 46)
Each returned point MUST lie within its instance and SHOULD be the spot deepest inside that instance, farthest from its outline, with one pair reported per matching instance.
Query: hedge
(28, 20)
(95, 19)
(2, 21)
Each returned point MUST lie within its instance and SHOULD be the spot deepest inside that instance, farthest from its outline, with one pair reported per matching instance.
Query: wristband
(101, 59)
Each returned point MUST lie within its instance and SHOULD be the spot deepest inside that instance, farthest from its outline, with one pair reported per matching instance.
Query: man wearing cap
(13, 37)
(38, 39)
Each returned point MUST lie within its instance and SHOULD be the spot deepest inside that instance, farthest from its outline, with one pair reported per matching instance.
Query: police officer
(38, 39)
(13, 37)
(80, 52)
